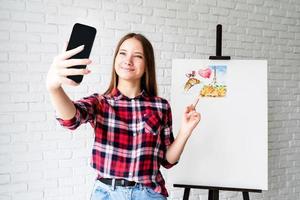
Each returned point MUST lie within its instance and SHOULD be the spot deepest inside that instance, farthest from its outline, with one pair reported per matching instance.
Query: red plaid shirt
(131, 136)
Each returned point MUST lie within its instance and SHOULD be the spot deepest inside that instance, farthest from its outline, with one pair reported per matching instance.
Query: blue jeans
(102, 191)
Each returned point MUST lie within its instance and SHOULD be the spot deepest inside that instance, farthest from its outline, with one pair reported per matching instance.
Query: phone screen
(81, 35)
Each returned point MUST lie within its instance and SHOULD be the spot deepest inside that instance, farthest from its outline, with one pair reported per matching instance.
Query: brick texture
(41, 160)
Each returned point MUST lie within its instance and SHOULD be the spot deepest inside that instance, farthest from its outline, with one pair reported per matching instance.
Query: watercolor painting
(210, 81)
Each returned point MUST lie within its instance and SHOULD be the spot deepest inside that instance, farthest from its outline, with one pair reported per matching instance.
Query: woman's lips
(127, 69)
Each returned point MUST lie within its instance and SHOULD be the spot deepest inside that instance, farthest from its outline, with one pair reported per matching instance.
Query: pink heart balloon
(205, 73)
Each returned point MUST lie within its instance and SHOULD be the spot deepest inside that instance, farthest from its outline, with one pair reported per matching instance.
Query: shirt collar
(117, 95)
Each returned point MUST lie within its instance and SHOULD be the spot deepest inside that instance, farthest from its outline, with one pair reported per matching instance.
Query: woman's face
(130, 60)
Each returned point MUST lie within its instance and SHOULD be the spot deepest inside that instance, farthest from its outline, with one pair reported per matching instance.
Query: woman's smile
(128, 69)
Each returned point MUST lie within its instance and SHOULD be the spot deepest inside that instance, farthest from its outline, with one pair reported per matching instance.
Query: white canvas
(229, 146)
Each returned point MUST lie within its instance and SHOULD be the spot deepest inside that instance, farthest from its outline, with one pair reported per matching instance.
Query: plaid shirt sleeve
(85, 112)
(167, 136)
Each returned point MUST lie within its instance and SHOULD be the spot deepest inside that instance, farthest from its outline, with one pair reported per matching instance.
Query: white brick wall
(40, 160)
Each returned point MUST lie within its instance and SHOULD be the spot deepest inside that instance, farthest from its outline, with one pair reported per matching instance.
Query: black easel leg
(213, 195)
(246, 195)
(186, 193)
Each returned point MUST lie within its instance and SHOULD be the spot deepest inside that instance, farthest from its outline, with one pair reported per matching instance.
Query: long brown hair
(148, 80)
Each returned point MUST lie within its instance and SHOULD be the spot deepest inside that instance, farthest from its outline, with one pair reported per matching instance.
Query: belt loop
(113, 184)
(140, 186)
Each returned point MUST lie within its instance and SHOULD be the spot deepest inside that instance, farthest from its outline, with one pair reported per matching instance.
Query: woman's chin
(128, 78)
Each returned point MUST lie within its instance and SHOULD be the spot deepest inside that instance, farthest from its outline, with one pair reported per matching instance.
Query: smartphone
(81, 35)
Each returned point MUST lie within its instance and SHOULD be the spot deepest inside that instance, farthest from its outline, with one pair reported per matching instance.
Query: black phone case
(81, 35)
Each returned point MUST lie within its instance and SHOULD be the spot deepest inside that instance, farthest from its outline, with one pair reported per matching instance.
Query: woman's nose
(128, 60)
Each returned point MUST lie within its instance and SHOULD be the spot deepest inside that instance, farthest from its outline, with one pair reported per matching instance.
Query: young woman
(132, 125)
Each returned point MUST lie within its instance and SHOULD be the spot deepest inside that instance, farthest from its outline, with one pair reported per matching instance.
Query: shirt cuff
(70, 123)
(168, 165)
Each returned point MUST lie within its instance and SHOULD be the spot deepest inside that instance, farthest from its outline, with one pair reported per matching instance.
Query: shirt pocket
(152, 123)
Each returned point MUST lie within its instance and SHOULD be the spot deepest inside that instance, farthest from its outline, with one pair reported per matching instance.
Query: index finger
(189, 108)
(192, 107)
(64, 48)
(72, 52)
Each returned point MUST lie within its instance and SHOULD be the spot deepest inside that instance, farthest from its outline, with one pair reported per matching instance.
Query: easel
(218, 55)
(213, 192)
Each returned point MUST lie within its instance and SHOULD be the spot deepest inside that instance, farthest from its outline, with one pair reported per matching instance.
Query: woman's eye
(141, 57)
(122, 53)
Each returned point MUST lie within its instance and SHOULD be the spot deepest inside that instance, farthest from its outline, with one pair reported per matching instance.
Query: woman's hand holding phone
(60, 68)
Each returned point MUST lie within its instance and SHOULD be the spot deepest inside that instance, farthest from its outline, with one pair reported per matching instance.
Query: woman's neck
(129, 89)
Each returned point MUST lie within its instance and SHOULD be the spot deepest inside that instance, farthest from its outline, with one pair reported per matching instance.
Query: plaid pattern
(131, 136)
